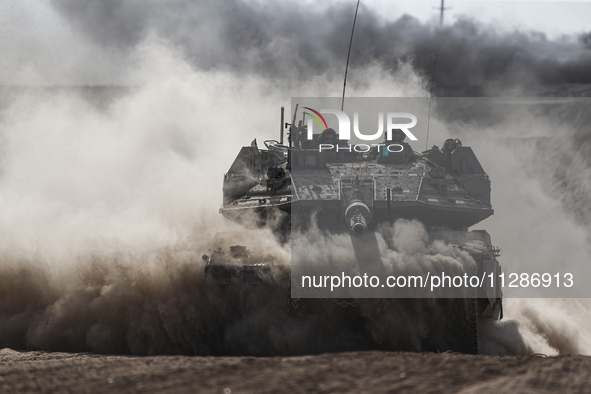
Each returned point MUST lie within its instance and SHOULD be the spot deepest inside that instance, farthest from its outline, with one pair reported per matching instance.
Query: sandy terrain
(341, 372)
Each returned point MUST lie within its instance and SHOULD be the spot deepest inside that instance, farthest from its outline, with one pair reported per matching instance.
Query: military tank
(445, 188)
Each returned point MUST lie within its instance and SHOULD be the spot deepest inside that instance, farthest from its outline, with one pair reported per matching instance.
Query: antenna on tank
(349, 55)
(430, 97)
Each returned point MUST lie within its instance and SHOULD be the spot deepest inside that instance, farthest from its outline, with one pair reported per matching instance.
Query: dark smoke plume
(290, 42)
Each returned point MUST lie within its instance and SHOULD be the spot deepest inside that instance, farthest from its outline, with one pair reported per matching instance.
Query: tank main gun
(357, 216)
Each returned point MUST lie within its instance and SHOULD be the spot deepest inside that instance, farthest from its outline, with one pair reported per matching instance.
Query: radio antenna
(348, 55)
(430, 97)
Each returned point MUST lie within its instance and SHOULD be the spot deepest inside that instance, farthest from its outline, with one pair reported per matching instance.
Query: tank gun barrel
(357, 217)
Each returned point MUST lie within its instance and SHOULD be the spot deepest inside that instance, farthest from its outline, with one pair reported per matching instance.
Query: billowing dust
(109, 202)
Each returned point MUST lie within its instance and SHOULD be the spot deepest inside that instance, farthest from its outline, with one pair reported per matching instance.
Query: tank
(355, 192)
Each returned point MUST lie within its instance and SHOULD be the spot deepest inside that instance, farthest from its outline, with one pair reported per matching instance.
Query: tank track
(464, 327)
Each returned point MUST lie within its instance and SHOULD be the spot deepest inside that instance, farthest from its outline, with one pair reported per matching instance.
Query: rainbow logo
(316, 119)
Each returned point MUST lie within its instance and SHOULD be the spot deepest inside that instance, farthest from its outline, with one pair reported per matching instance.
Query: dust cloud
(109, 200)
(109, 205)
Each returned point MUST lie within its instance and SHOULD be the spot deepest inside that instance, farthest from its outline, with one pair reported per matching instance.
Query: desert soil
(355, 372)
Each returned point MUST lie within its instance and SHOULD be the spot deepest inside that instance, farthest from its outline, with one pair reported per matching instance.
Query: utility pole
(441, 9)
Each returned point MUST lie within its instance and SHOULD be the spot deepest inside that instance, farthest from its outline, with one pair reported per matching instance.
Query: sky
(554, 18)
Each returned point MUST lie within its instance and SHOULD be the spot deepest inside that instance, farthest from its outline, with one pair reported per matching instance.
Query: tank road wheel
(464, 326)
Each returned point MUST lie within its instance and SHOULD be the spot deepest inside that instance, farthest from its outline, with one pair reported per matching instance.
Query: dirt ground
(374, 372)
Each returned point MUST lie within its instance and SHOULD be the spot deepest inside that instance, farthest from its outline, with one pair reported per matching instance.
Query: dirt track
(341, 372)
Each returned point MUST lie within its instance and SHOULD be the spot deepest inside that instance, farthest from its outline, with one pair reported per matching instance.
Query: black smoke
(288, 42)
